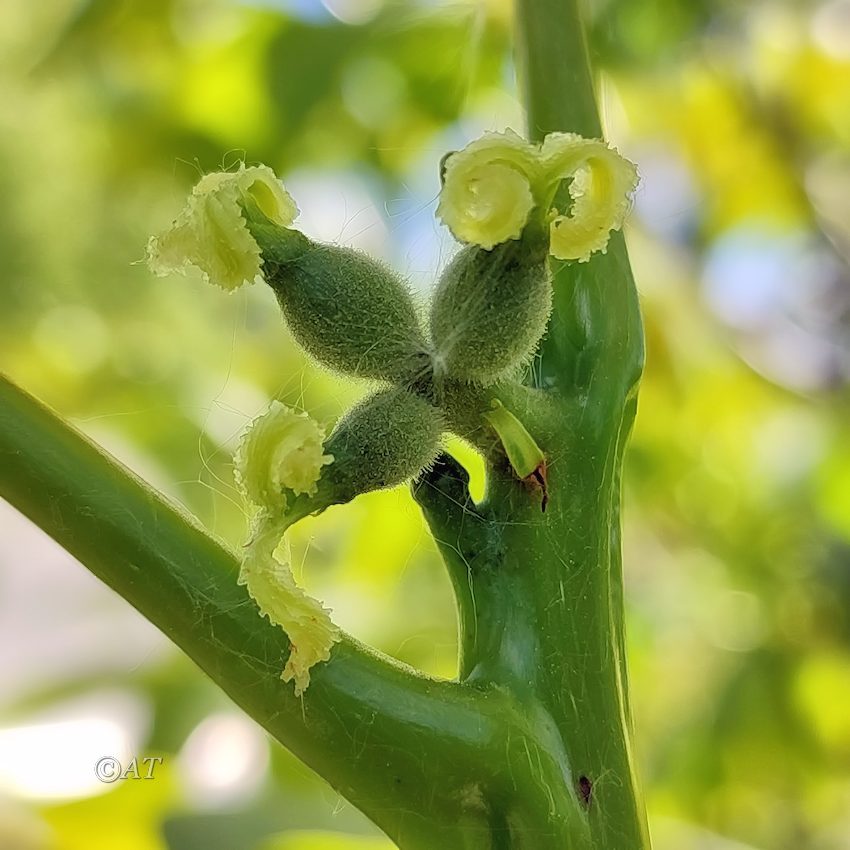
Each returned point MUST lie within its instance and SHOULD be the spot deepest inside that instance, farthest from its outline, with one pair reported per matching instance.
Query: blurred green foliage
(737, 539)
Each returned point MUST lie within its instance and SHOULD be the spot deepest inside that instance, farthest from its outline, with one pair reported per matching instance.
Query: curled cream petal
(602, 184)
(272, 586)
(210, 232)
(280, 451)
(491, 187)
(487, 193)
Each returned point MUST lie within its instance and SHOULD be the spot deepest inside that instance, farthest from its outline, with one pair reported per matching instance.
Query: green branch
(375, 730)
(461, 535)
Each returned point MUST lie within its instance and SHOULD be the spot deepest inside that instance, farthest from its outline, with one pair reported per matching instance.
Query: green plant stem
(591, 359)
(595, 338)
(555, 75)
(377, 731)
(594, 349)
(541, 594)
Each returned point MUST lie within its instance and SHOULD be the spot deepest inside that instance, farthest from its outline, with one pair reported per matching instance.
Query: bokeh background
(737, 539)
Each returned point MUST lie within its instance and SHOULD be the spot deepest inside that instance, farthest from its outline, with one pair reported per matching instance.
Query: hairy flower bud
(351, 313)
(490, 310)
(383, 441)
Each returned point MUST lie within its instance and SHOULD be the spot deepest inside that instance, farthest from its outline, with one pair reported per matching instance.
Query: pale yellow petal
(272, 586)
(261, 184)
(602, 185)
(280, 452)
(211, 233)
(487, 194)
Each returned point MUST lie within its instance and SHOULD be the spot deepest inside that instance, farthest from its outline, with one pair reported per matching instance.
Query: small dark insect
(585, 789)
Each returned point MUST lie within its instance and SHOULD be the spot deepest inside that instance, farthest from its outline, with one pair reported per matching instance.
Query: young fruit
(490, 310)
(351, 313)
(383, 441)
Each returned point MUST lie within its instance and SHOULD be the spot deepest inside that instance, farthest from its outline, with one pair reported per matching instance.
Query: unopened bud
(350, 312)
(490, 310)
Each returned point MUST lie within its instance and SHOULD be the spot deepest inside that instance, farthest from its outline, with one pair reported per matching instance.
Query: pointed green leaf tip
(525, 456)
(491, 187)
(211, 233)
(281, 452)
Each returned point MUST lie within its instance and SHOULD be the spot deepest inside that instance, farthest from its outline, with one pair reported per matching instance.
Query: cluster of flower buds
(354, 315)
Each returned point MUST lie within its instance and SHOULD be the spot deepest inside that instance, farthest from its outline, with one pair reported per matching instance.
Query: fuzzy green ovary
(349, 312)
(385, 440)
(490, 310)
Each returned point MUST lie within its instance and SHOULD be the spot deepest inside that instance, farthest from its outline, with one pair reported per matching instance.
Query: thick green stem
(595, 337)
(554, 67)
(380, 733)
(540, 601)
(592, 358)
(540, 594)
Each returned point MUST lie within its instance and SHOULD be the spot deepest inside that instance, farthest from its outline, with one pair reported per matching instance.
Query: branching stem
(530, 749)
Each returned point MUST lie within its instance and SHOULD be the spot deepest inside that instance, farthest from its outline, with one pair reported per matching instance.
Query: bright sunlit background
(737, 543)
